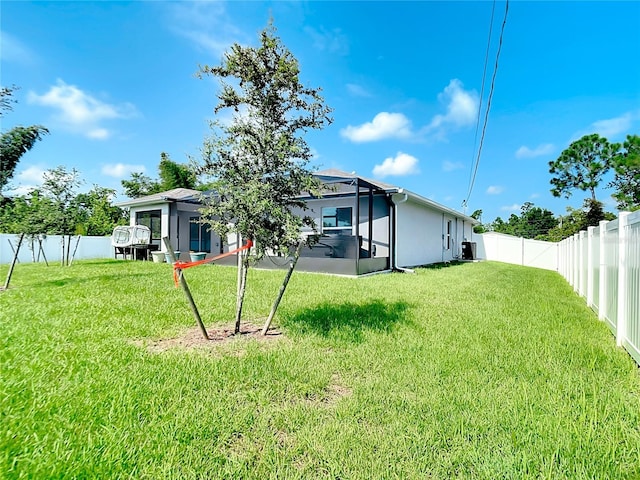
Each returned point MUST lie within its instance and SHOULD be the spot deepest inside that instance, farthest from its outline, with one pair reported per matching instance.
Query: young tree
(627, 174)
(582, 165)
(259, 161)
(15, 142)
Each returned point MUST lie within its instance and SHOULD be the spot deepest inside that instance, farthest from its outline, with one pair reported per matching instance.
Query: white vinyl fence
(517, 250)
(603, 266)
(50, 247)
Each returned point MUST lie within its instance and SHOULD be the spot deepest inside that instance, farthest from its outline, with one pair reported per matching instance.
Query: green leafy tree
(259, 161)
(30, 214)
(60, 186)
(477, 214)
(533, 222)
(627, 174)
(140, 185)
(100, 215)
(591, 213)
(582, 165)
(15, 142)
(174, 175)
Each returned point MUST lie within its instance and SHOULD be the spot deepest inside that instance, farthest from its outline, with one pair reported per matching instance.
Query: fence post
(623, 234)
(602, 294)
(590, 231)
(577, 261)
(584, 271)
(570, 260)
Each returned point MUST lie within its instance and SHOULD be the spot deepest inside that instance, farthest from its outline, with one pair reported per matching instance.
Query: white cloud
(13, 50)
(206, 24)
(121, 170)
(384, 125)
(511, 208)
(358, 90)
(448, 166)
(534, 196)
(27, 179)
(402, 164)
(33, 174)
(333, 41)
(540, 150)
(461, 106)
(610, 127)
(79, 112)
(495, 190)
(613, 126)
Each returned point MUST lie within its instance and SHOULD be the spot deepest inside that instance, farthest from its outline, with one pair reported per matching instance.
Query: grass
(469, 371)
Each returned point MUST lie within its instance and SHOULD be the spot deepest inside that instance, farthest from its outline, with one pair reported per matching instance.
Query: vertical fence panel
(595, 268)
(583, 263)
(611, 242)
(631, 340)
(602, 298)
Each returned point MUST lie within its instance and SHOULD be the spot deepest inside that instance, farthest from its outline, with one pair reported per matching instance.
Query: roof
(328, 177)
(338, 176)
(175, 195)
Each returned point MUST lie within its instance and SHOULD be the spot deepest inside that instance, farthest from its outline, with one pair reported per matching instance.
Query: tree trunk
(62, 251)
(242, 289)
(287, 277)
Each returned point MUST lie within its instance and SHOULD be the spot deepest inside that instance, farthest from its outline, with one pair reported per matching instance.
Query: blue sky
(114, 82)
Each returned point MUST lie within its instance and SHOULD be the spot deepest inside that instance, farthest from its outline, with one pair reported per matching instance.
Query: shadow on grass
(65, 281)
(348, 321)
(439, 265)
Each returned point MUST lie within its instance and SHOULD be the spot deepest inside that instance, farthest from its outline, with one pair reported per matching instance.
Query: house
(366, 226)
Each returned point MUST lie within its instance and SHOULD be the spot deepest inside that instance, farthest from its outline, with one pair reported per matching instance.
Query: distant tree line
(581, 166)
(56, 208)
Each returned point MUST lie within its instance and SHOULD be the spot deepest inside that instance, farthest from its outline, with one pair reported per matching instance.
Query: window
(336, 220)
(448, 238)
(199, 236)
(151, 219)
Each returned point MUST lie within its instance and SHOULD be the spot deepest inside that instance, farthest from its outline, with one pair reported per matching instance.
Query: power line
(486, 116)
(484, 76)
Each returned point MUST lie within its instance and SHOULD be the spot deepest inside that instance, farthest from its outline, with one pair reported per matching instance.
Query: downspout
(357, 226)
(394, 253)
(443, 238)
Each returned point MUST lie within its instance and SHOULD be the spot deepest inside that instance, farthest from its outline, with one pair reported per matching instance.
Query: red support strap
(179, 266)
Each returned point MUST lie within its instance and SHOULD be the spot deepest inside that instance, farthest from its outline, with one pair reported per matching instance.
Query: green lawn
(472, 371)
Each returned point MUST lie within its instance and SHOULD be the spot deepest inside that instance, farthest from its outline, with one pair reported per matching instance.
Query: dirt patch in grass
(220, 335)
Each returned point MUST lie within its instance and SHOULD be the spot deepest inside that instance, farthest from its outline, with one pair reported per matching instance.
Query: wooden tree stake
(283, 287)
(13, 263)
(185, 288)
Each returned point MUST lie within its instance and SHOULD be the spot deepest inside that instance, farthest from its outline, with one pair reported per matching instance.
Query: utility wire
(484, 76)
(486, 116)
